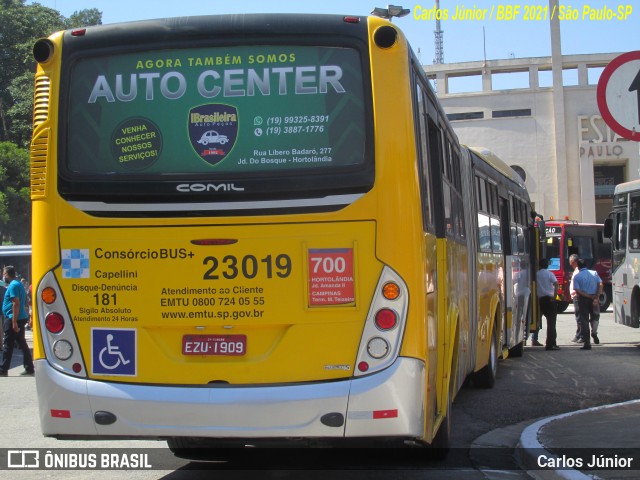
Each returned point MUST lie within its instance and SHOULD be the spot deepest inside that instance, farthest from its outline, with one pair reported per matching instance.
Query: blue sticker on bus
(75, 263)
(114, 351)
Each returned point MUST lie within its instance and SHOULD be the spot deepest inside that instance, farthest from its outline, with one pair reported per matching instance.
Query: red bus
(566, 237)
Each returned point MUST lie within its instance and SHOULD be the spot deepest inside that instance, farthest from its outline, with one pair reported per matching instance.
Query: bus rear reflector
(54, 322)
(377, 414)
(363, 366)
(61, 413)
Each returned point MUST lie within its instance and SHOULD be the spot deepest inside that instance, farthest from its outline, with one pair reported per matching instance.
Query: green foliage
(84, 18)
(21, 25)
(15, 205)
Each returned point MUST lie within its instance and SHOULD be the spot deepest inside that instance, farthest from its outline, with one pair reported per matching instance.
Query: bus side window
(522, 248)
(423, 154)
(621, 237)
(634, 224)
(484, 232)
(514, 240)
(634, 236)
(634, 210)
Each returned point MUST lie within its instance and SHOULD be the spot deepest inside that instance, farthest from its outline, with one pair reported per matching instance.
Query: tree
(84, 18)
(20, 26)
(15, 204)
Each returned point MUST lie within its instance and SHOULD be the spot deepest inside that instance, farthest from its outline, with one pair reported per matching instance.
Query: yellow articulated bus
(251, 228)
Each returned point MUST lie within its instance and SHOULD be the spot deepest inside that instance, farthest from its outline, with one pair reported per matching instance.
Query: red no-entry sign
(619, 95)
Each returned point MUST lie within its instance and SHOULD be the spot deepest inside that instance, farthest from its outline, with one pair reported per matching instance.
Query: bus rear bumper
(387, 404)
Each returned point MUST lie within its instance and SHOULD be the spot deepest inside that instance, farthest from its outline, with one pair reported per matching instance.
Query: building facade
(541, 116)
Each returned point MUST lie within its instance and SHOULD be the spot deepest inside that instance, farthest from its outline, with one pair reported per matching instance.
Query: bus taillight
(386, 319)
(384, 326)
(63, 350)
(391, 291)
(54, 322)
(378, 348)
(49, 295)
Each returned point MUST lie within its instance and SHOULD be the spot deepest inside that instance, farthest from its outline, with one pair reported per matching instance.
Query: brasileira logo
(213, 130)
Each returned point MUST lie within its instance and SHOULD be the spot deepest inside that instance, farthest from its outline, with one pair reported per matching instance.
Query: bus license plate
(224, 345)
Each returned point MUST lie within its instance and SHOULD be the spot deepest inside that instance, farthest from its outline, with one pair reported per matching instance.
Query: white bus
(623, 227)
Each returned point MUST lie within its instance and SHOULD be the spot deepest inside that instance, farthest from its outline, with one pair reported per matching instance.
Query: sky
(469, 39)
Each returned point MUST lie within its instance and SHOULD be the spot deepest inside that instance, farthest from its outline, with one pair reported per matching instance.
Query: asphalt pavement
(600, 442)
(595, 443)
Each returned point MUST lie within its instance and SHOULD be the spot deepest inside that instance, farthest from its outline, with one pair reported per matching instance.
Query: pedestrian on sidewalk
(594, 318)
(573, 261)
(15, 321)
(588, 290)
(547, 287)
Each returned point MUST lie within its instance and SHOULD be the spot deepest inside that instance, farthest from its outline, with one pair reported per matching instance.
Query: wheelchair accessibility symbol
(113, 351)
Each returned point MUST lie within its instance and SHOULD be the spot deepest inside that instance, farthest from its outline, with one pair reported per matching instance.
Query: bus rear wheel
(441, 444)
(605, 299)
(180, 446)
(486, 378)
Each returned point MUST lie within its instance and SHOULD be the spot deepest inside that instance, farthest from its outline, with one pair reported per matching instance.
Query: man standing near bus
(588, 289)
(573, 261)
(547, 291)
(15, 320)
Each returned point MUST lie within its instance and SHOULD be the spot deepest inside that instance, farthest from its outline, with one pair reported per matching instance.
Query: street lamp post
(390, 12)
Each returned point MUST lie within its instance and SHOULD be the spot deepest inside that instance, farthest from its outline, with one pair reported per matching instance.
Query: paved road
(544, 383)
(540, 384)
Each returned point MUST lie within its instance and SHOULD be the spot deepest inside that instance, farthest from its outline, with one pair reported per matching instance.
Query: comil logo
(209, 187)
(213, 130)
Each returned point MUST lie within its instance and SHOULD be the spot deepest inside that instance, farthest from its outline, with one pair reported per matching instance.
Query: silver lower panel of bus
(386, 404)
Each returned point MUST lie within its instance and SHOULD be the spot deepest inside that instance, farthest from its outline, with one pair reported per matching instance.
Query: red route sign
(618, 95)
(331, 279)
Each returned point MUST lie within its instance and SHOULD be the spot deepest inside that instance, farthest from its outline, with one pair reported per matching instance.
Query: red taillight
(386, 319)
(363, 366)
(78, 32)
(351, 19)
(54, 322)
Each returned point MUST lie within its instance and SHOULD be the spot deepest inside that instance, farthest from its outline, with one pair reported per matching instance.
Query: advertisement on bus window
(207, 110)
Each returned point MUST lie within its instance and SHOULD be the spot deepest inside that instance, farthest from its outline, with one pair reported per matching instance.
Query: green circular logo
(136, 144)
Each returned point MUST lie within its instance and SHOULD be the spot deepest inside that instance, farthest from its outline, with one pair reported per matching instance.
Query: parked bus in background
(623, 228)
(19, 256)
(332, 266)
(567, 237)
